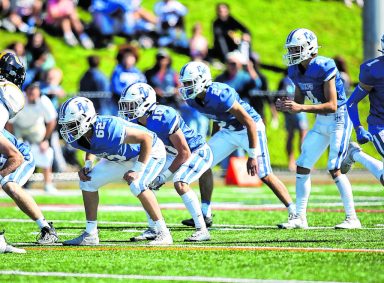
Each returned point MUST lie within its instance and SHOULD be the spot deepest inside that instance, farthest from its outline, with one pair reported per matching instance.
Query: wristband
(252, 153)
(88, 164)
(167, 173)
(138, 167)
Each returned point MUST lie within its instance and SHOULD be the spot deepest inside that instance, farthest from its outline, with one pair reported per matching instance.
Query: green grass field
(246, 246)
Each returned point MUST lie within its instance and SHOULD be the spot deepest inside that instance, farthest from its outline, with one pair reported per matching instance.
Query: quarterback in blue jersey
(188, 155)
(128, 152)
(372, 84)
(241, 127)
(16, 167)
(318, 79)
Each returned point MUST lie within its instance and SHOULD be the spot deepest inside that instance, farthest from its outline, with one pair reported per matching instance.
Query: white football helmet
(136, 100)
(301, 44)
(195, 78)
(76, 117)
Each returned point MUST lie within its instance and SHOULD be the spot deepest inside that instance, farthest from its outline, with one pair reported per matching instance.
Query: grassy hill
(338, 29)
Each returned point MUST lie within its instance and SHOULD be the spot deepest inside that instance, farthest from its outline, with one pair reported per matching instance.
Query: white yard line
(215, 227)
(148, 277)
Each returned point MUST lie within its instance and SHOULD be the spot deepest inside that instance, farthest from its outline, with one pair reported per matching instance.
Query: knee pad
(87, 186)
(136, 188)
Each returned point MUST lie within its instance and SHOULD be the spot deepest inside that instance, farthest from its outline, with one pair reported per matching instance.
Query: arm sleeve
(329, 69)
(228, 98)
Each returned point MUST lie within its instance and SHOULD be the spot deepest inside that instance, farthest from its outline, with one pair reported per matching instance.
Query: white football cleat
(7, 248)
(348, 161)
(295, 222)
(199, 236)
(85, 239)
(162, 238)
(349, 223)
(149, 234)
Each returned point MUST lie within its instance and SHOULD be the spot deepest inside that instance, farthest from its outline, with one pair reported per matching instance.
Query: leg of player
(344, 186)
(7, 248)
(28, 205)
(191, 202)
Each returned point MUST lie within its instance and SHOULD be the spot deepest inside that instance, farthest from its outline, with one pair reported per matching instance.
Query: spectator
(226, 32)
(51, 85)
(164, 79)
(125, 73)
(349, 3)
(95, 80)
(24, 15)
(19, 49)
(198, 44)
(63, 15)
(258, 101)
(341, 65)
(35, 124)
(114, 17)
(39, 58)
(170, 24)
(293, 122)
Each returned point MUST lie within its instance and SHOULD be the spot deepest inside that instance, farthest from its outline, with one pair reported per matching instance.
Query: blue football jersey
(320, 69)
(218, 100)
(22, 147)
(107, 139)
(165, 120)
(372, 74)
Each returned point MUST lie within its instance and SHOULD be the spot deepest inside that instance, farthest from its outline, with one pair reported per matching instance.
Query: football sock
(303, 189)
(291, 208)
(191, 202)
(373, 165)
(41, 222)
(160, 225)
(91, 227)
(151, 223)
(206, 208)
(345, 190)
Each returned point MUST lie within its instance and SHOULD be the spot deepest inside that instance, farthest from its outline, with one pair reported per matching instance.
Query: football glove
(363, 136)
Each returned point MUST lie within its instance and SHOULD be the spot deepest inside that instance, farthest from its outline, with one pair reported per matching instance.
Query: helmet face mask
(136, 101)
(11, 68)
(301, 44)
(76, 117)
(382, 44)
(195, 78)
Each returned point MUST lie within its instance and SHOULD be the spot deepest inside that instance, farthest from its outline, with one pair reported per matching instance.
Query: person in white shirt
(35, 124)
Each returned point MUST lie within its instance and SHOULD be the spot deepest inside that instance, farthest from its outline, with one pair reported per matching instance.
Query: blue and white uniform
(25, 170)
(217, 103)
(333, 129)
(165, 121)
(372, 74)
(118, 157)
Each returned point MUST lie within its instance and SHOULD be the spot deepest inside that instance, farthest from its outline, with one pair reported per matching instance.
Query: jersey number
(100, 129)
(157, 114)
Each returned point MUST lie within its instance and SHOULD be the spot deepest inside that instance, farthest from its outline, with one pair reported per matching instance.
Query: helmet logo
(82, 106)
(144, 92)
(309, 36)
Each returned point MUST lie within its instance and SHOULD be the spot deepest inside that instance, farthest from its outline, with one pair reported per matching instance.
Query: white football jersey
(12, 97)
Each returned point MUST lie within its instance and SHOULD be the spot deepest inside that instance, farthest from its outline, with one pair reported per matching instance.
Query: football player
(16, 162)
(188, 155)
(12, 76)
(241, 127)
(372, 83)
(129, 152)
(317, 78)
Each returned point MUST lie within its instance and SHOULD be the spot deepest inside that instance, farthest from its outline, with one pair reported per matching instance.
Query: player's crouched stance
(128, 152)
(188, 155)
(16, 167)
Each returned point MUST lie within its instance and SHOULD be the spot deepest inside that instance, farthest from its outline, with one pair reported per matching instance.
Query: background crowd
(162, 28)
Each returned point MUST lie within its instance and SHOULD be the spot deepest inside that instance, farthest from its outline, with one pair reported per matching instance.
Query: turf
(234, 251)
